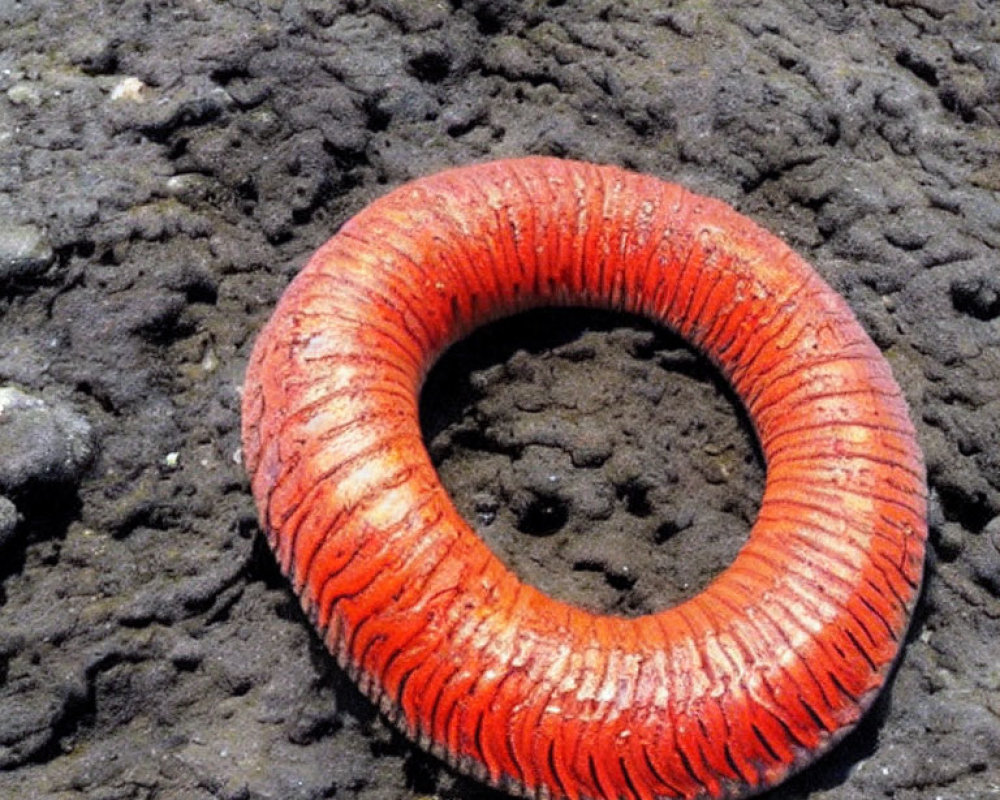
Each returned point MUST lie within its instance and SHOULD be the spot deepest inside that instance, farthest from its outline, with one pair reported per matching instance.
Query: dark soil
(167, 166)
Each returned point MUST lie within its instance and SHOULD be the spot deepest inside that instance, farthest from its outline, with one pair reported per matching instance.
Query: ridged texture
(721, 696)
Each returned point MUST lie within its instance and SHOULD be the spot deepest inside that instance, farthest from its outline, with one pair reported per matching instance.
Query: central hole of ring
(601, 458)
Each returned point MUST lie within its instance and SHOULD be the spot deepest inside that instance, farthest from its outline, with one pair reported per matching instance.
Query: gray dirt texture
(167, 166)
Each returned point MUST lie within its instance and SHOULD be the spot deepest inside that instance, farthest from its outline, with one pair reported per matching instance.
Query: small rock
(992, 533)
(131, 90)
(590, 448)
(186, 653)
(415, 16)
(8, 520)
(951, 541)
(24, 94)
(24, 252)
(93, 53)
(461, 117)
(40, 442)
(187, 186)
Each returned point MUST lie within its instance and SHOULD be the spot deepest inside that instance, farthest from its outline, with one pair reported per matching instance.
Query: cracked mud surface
(166, 167)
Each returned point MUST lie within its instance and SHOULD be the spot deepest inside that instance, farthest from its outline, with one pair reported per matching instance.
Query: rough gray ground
(166, 167)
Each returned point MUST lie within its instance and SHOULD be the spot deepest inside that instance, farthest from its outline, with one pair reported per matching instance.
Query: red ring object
(721, 696)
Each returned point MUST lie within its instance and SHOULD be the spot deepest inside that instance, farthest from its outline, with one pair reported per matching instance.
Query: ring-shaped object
(723, 695)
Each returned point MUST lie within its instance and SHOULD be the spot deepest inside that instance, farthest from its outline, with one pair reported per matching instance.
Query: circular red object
(723, 695)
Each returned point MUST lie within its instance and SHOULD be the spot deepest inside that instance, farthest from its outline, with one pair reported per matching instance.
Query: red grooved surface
(721, 696)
